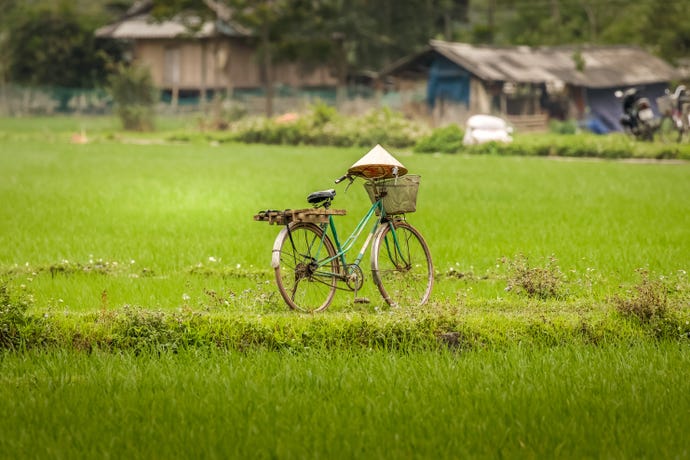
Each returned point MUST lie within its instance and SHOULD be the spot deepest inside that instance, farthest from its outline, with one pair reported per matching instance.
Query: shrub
(134, 96)
(536, 282)
(445, 140)
(563, 127)
(612, 146)
(322, 125)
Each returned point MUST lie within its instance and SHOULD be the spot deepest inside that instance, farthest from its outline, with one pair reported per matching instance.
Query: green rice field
(629, 402)
(156, 329)
(167, 221)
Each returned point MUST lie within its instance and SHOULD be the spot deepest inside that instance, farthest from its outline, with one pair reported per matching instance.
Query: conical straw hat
(377, 164)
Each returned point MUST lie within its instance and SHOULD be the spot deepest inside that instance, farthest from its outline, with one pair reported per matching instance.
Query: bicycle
(310, 265)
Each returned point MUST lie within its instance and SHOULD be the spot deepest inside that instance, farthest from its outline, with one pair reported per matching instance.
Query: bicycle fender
(275, 256)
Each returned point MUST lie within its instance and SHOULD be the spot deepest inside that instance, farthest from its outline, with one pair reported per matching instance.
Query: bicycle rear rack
(316, 216)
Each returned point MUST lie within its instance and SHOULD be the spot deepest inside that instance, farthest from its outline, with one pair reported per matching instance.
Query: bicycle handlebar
(340, 179)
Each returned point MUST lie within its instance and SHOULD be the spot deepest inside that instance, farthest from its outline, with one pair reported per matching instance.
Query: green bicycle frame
(344, 247)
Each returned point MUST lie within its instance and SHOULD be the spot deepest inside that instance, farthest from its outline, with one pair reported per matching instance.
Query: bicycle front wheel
(303, 283)
(401, 265)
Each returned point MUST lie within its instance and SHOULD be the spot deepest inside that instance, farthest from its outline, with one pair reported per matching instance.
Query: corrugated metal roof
(604, 66)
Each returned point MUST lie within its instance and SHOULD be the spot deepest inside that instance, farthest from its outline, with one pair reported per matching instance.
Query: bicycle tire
(303, 286)
(404, 273)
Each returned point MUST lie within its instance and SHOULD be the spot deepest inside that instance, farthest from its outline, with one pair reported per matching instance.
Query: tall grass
(571, 402)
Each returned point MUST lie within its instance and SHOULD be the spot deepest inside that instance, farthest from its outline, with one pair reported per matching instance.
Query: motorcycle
(675, 111)
(638, 118)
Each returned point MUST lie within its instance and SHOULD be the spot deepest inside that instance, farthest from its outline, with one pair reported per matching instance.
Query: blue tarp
(448, 81)
(606, 110)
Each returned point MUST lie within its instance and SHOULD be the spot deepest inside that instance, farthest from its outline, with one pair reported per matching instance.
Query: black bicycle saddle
(320, 197)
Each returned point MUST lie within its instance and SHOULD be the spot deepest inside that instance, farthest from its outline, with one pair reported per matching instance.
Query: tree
(661, 28)
(54, 45)
(350, 35)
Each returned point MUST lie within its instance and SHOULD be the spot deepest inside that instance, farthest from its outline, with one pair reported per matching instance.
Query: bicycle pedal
(362, 300)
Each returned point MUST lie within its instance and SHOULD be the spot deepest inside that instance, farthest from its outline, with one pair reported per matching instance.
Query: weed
(13, 317)
(646, 301)
(142, 330)
(536, 282)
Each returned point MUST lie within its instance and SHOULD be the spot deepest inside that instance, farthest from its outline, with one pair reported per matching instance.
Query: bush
(322, 125)
(563, 127)
(445, 140)
(611, 146)
(134, 96)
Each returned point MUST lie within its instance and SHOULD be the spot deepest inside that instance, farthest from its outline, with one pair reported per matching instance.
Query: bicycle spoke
(302, 283)
(401, 265)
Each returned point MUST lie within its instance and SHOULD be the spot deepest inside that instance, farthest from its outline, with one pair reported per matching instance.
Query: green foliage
(51, 44)
(444, 140)
(543, 283)
(134, 96)
(639, 22)
(13, 320)
(437, 327)
(612, 146)
(647, 301)
(323, 125)
(563, 127)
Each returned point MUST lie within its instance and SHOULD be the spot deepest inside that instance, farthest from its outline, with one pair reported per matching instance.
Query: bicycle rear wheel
(304, 285)
(401, 265)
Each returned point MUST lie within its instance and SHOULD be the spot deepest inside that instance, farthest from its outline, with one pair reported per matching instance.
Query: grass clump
(542, 283)
(646, 301)
(12, 317)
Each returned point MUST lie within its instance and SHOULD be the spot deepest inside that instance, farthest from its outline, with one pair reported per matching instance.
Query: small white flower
(211, 259)
(185, 297)
(132, 261)
(238, 266)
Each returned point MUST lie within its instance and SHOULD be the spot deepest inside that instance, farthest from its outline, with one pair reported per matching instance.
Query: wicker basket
(399, 194)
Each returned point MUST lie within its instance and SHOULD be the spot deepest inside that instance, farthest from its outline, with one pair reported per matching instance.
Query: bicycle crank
(354, 277)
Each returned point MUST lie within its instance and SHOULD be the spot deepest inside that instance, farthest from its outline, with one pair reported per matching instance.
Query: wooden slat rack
(312, 215)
